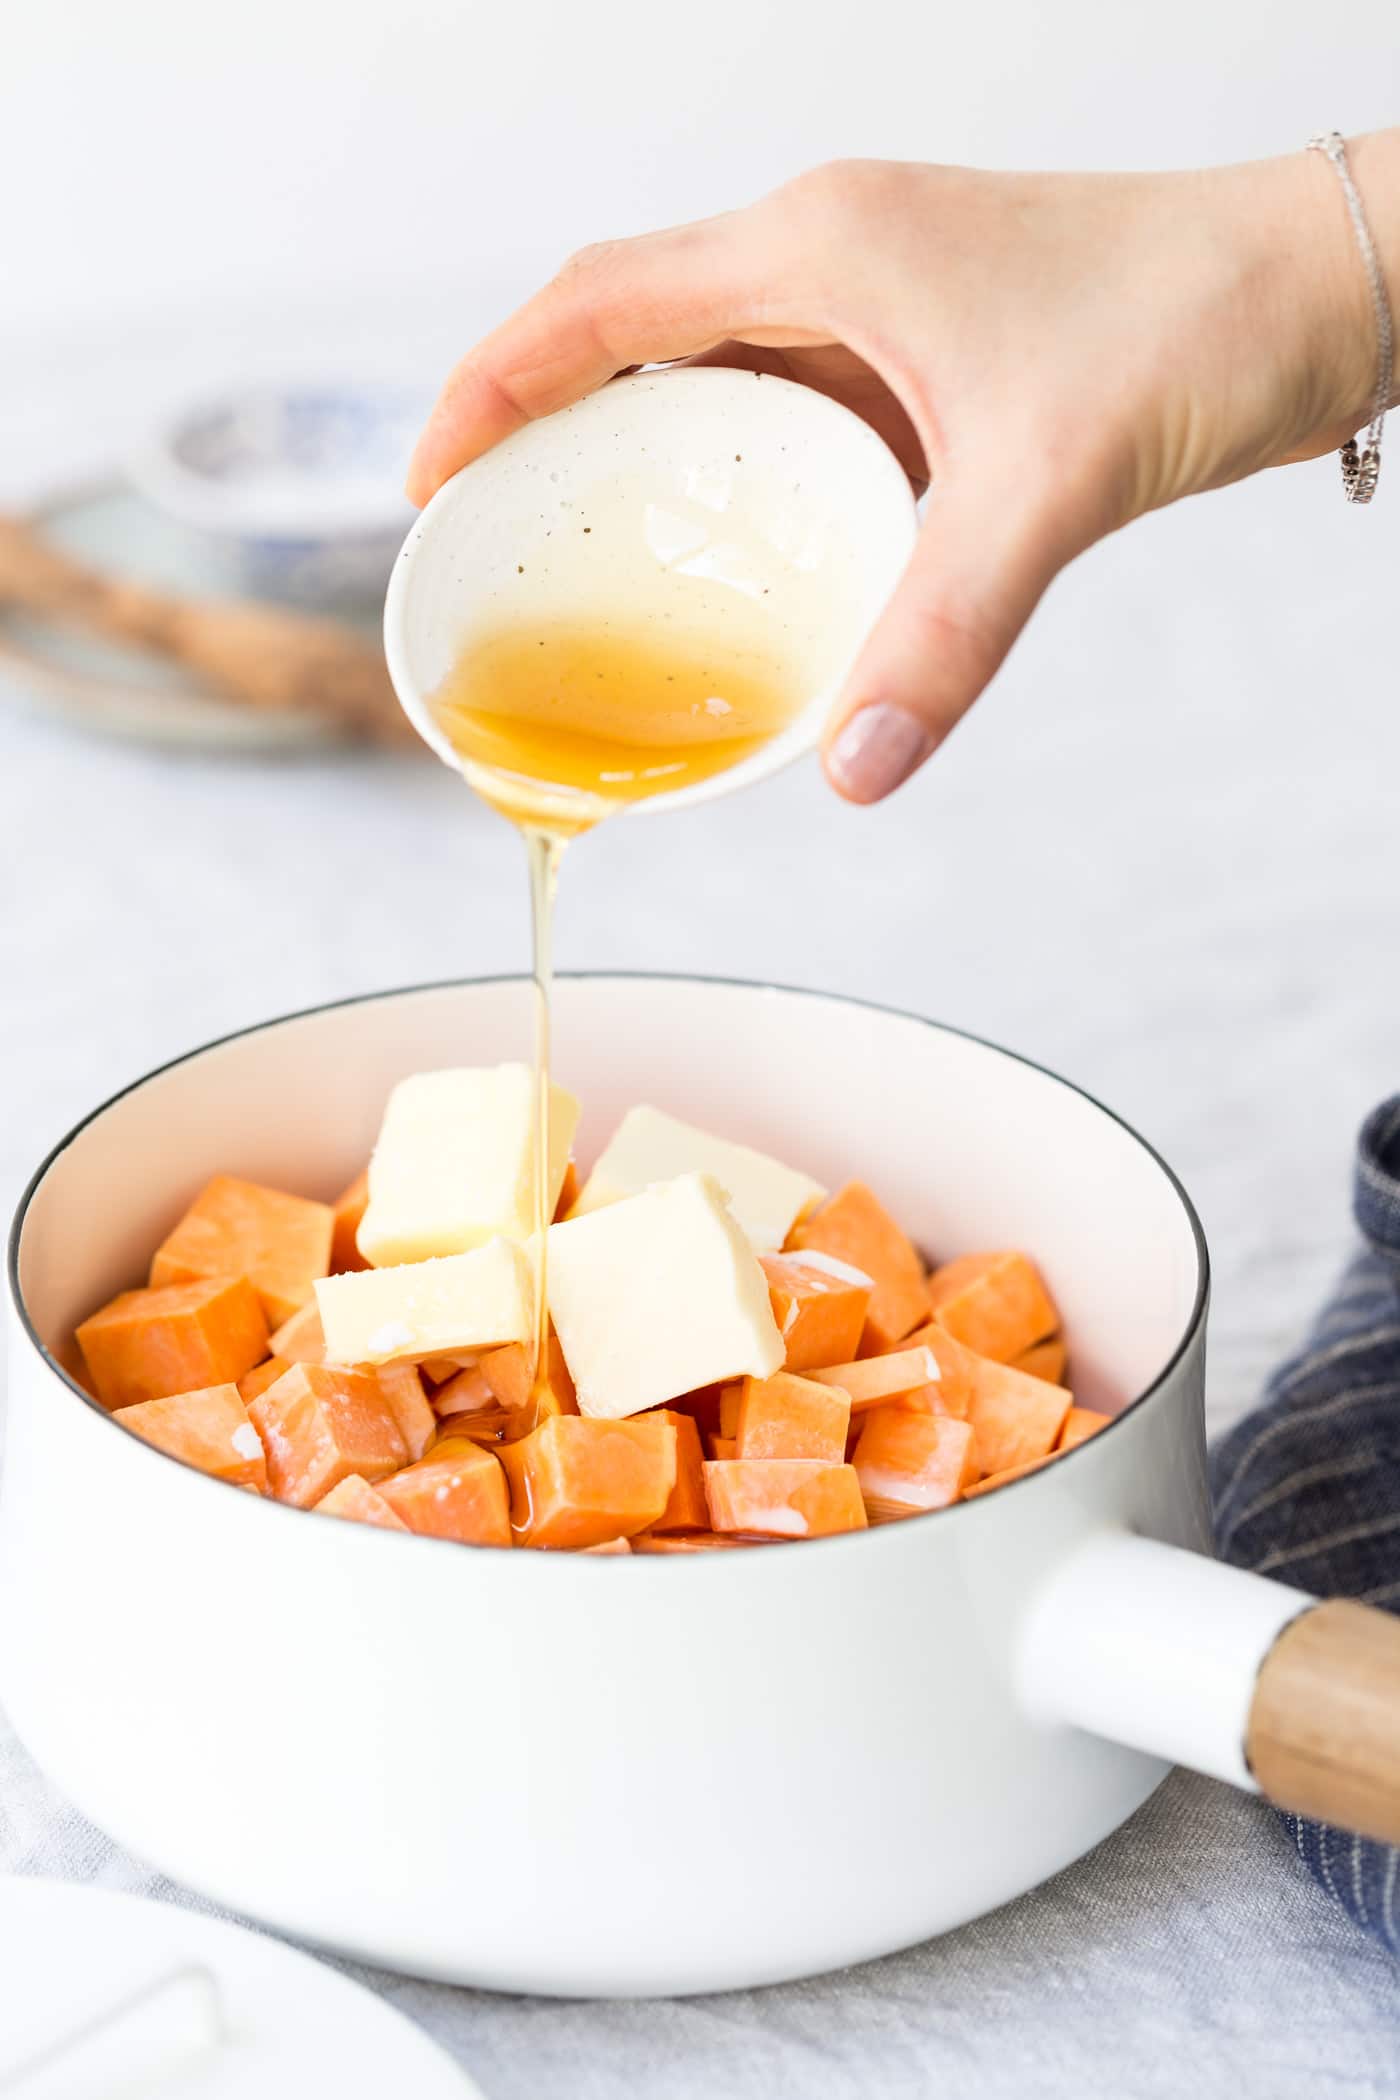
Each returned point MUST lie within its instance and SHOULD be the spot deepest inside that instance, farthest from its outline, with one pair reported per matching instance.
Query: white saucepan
(545, 1773)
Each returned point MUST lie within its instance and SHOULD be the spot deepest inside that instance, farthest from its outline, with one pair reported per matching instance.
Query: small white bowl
(670, 496)
(299, 488)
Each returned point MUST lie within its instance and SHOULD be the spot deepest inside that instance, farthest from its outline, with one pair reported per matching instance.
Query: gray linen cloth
(1190, 1955)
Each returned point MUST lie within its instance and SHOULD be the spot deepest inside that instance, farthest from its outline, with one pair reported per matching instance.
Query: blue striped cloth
(1307, 1488)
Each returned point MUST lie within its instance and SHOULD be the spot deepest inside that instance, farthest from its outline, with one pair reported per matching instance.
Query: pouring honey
(560, 726)
(652, 595)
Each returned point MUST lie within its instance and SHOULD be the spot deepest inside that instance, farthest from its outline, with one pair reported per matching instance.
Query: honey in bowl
(561, 723)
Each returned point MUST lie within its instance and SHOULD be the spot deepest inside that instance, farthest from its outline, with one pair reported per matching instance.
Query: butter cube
(477, 1300)
(453, 1165)
(658, 1294)
(766, 1197)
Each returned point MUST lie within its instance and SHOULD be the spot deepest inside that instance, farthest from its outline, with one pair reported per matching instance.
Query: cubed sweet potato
(1048, 1359)
(408, 1404)
(994, 1304)
(579, 1480)
(996, 1480)
(320, 1423)
(209, 1430)
(789, 1417)
(300, 1340)
(1016, 1418)
(872, 1379)
(1079, 1425)
(457, 1492)
(797, 1498)
(691, 1542)
(686, 1509)
(353, 1498)
(855, 1226)
(260, 1378)
(507, 1372)
(347, 1210)
(820, 1305)
(907, 1462)
(281, 1243)
(180, 1338)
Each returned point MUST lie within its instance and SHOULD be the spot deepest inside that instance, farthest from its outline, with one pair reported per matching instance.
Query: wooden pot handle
(1323, 1737)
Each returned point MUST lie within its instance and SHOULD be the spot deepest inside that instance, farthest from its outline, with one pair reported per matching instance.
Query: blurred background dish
(293, 492)
(115, 689)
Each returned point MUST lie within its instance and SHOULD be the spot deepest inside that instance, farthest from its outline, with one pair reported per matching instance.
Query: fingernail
(879, 747)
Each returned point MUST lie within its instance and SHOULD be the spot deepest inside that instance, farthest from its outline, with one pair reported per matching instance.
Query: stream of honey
(560, 726)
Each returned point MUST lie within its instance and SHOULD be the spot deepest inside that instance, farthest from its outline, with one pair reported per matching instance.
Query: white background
(1163, 853)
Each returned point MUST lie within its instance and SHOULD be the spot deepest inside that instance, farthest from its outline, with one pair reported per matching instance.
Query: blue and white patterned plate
(297, 490)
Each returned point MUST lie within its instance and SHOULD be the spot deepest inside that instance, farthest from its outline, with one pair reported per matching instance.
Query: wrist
(1329, 313)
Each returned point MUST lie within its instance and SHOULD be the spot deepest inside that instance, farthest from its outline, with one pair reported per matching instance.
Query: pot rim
(844, 1540)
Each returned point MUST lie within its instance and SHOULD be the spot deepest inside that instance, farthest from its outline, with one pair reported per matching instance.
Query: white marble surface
(1163, 858)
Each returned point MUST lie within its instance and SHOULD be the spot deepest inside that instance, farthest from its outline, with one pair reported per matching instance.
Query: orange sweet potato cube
(996, 1480)
(319, 1423)
(209, 1430)
(720, 1446)
(690, 1542)
(438, 1369)
(908, 1462)
(609, 1546)
(795, 1498)
(408, 1404)
(281, 1243)
(950, 1393)
(579, 1480)
(1016, 1418)
(1080, 1424)
(507, 1372)
(994, 1304)
(354, 1499)
(789, 1417)
(261, 1377)
(855, 1227)
(686, 1509)
(703, 1406)
(900, 1373)
(1048, 1360)
(730, 1400)
(70, 1359)
(570, 1189)
(464, 1393)
(300, 1340)
(347, 1210)
(147, 1345)
(820, 1306)
(457, 1492)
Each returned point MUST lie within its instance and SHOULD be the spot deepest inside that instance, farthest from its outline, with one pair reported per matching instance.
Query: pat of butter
(453, 1164)
(766, 1197)
(477, 1300)
(658, 1294)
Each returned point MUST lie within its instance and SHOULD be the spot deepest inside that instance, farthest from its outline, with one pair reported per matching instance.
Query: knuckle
(592, 265)
(844, 192)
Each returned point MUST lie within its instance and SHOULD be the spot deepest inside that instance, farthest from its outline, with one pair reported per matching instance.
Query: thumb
(975, 577)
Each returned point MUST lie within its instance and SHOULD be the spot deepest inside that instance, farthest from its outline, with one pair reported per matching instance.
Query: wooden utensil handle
(1324, 1725)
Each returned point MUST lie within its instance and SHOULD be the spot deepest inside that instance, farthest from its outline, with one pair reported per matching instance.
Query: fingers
(644, 301)
(976, 575)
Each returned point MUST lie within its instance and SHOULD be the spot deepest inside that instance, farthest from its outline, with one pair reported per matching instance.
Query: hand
(1054, 354)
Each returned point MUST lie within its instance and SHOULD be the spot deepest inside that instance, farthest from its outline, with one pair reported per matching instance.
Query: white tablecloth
(1163, 858)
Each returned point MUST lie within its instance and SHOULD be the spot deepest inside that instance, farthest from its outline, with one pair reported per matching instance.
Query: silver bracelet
(1361, 466)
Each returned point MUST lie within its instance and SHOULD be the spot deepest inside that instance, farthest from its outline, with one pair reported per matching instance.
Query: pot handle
(1212, 1667)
